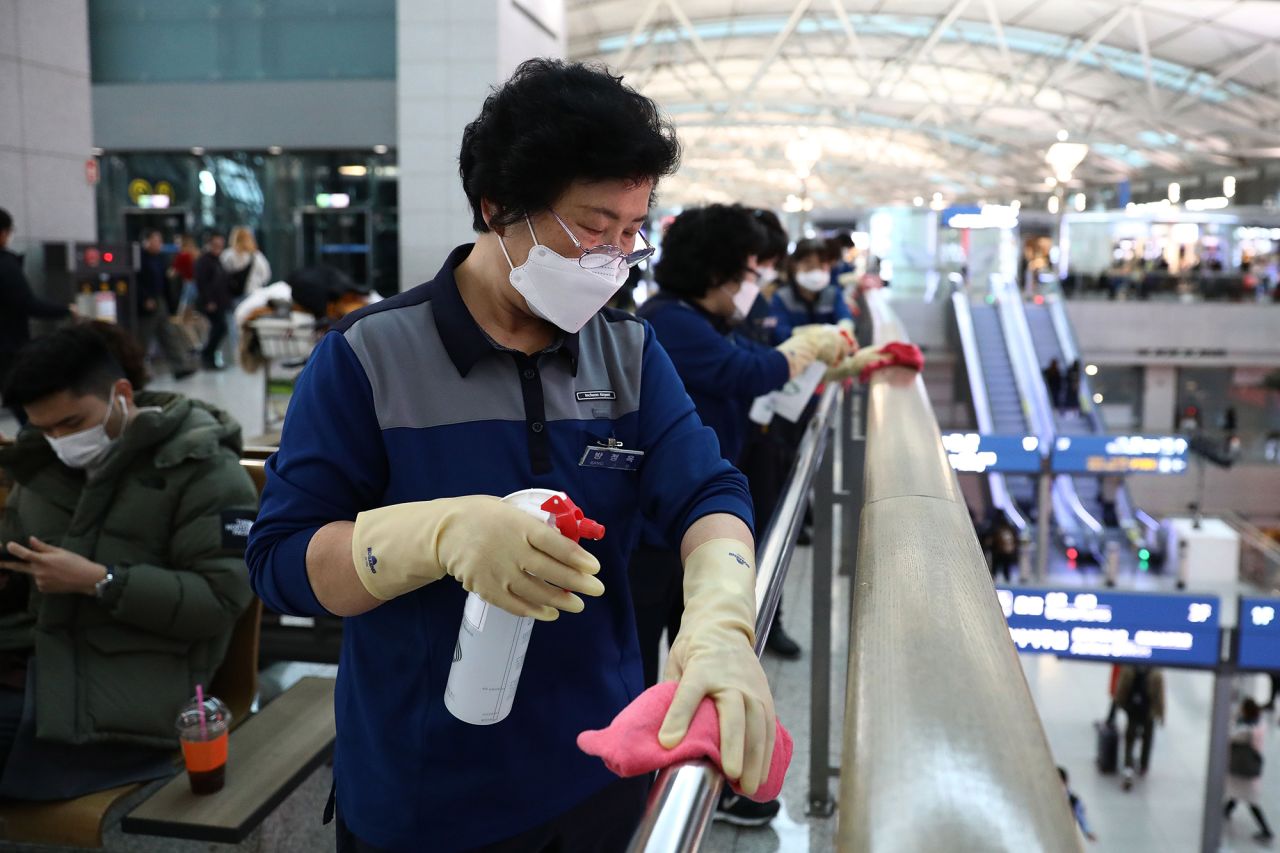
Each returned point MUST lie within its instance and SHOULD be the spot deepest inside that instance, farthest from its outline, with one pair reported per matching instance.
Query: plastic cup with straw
(202, 731)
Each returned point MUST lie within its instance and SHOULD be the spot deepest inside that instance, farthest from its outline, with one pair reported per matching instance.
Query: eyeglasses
(605, 254)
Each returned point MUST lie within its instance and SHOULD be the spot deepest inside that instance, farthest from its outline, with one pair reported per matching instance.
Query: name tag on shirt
(611, 458)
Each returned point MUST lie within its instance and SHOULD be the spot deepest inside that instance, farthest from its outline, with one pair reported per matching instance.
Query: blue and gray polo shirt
(792, 310)
(722, 370)
(408, 400)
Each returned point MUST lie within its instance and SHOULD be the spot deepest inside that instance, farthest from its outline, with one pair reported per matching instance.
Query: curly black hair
(774, 246)
(553, 123)
(706, 247)
(79, 359)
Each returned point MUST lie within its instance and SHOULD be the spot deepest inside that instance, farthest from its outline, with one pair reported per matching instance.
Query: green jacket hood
(175, 428)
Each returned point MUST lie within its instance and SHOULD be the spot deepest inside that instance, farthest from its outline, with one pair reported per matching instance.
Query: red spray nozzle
(571, 521)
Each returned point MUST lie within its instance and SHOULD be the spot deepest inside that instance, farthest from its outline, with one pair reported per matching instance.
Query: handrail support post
(1044, 519)
(821, 802)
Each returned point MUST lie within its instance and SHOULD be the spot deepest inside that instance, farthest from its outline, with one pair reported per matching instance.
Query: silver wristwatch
(100, 587)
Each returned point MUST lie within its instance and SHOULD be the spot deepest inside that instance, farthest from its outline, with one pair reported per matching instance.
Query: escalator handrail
(1000, 496)
(943, 747)
(1066, 332)
(1022, 353)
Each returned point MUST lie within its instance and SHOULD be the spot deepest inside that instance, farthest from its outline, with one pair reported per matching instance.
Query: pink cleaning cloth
(895, 354)
(630, 747)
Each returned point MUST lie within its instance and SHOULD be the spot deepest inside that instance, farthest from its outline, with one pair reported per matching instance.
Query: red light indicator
(1072, 554)
(108, 256)
(1039, 300)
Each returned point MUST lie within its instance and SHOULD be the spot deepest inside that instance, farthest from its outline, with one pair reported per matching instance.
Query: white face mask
(559, 289)
(768, 275)
(813, 280)
(744, 299)
(88, 447)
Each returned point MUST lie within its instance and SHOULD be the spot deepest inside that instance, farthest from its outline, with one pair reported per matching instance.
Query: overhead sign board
(1119, 454)
(971, 453)
(1259, 633)
(1127, 627)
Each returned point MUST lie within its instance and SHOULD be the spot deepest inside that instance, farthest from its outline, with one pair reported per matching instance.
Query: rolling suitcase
(1108, 748)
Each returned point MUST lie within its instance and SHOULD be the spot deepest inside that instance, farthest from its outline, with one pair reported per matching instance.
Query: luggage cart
(286, 344)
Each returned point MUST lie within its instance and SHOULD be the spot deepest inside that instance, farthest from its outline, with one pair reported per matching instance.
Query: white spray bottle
(491, 642)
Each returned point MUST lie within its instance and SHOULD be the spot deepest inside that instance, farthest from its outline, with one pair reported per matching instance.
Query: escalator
(1135, 525)
(1070, 421)
(997, 405)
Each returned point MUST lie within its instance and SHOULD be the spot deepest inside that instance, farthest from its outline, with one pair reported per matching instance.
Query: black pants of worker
(657, 596)
(217, 333)
(1138, 726)
(766, 461)
(602, 823)
(1002, 564)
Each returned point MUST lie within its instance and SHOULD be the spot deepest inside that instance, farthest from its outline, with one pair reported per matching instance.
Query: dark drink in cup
(202, 731)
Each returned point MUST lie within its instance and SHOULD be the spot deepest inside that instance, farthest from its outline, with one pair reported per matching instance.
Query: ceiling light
(197, 151)
(1063, 136)
(1016, 205)
(1053, 204)
(1064, 157)
(1091, 370)
(917, 201)
(208, 186)
(1080, 202)
(353, 171)
(1175, 192)
(1097, 398)
(379, 149)
(1229, 186)
(273, 150)
(1051, 182)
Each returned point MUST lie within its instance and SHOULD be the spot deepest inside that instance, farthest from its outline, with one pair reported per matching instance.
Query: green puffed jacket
(170, 510)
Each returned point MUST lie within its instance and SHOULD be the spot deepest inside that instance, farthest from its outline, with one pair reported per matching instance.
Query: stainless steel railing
(943, 748)
(684, 796)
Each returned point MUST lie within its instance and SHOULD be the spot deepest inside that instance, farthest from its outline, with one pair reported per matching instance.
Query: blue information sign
(971, 453)
(1259, 633)
(1120, 454)
(1130, 627)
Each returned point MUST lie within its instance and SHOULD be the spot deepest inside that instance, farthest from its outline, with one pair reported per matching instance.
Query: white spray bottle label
(489, 655)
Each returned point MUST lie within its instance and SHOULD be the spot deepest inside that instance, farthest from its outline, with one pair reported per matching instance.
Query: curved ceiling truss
(910, 97)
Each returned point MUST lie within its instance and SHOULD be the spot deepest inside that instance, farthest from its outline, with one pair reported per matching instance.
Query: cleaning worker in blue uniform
(808, 295)
(708, 283)
(502, 373)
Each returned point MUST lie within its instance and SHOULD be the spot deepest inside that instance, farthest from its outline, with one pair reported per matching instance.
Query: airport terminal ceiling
(902, 98)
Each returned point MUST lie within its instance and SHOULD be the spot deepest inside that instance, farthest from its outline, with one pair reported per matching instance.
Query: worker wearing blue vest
(500, 374)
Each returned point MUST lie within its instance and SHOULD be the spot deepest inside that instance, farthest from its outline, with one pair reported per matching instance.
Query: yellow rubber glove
(506, 556)
(830, 342)
(800, 352)
(713, 656)
(854, 364)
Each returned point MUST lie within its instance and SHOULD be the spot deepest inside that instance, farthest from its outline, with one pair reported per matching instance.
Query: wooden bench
(268, 757)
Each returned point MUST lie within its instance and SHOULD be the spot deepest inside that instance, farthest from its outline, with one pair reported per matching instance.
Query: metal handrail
(943, 748)
(684, 795)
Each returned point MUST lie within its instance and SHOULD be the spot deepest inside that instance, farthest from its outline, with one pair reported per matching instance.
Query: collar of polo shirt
(463, 339)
